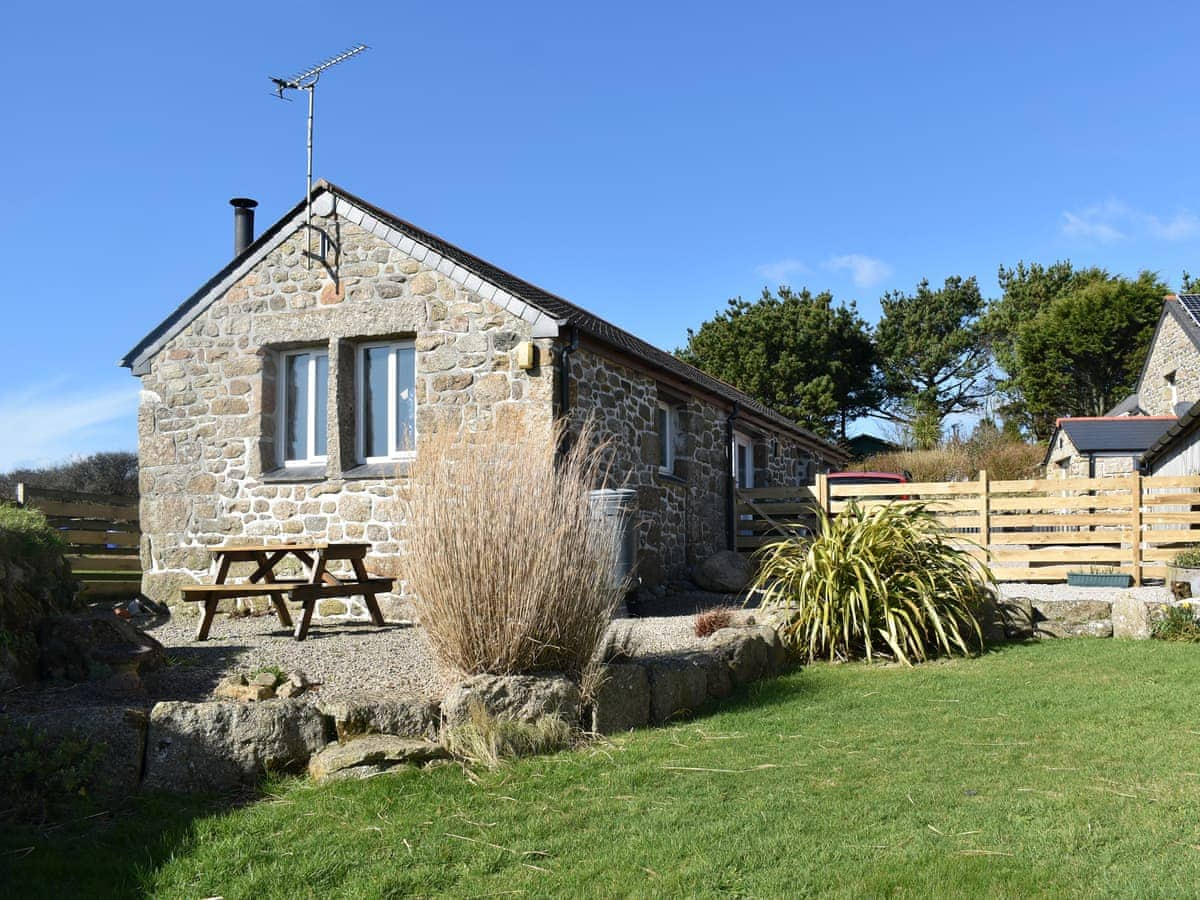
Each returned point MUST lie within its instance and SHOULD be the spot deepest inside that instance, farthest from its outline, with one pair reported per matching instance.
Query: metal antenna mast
(307, 81)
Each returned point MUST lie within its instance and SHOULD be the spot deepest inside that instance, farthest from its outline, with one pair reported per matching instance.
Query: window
(303, 407)
(668, 430)
(743, 461)
(386, 401)
(1170, 379)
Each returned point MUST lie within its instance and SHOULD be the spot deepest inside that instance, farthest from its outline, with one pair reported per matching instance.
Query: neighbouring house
(1101, 446)
(284, 397)
(1177, 450)
(862, 446)
(1169, 382)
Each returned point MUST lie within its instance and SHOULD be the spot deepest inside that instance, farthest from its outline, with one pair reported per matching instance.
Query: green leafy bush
(1179, 625)
(1187, 559)
(40, 775)
(887, 579)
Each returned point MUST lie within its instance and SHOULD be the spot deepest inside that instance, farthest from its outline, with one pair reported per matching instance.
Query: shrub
(1187, 559)
(1005, 460)
(29, 545)
(713, 619)
(1179, 625)
(882, 579)
(40, 775)
(488, 740)
(509, 567)
(100, 473)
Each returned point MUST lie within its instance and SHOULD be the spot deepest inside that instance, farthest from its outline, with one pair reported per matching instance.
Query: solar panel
(1191, 302)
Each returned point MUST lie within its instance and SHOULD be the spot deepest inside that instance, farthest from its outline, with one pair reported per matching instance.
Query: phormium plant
(887, 579)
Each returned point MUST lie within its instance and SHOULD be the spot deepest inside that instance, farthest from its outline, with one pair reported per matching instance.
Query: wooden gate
(101, 532)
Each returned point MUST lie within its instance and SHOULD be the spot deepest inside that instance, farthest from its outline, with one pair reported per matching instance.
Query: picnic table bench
(318, 582)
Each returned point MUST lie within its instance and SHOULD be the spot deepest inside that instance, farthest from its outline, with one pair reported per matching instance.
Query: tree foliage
(932, 357)
(796, 352)
(113, 472)
(1026, 291)
(1082, 353)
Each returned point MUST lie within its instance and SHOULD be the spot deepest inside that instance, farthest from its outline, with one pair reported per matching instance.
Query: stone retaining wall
(1023, 618)
(228, 745)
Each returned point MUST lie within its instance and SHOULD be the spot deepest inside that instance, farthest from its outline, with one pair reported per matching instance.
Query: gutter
(730, 481)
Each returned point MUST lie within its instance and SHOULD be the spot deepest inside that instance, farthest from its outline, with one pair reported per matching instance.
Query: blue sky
(648, 161)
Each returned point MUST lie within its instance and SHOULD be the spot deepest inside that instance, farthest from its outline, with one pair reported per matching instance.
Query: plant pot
(1099, 579)
(1191, 576)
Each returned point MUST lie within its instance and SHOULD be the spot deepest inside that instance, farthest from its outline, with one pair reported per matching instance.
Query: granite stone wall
(206, 423)
(681, 515)
(1067, 462)
(1172, 351)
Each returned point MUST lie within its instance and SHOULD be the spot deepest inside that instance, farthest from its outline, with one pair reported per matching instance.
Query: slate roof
(1132, 433)
(1130, 406)
(564, 311)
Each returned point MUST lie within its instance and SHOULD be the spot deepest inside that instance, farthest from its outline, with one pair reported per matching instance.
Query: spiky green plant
(888, 578)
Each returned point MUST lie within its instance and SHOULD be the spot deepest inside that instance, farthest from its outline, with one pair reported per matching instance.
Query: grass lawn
(1064, 768)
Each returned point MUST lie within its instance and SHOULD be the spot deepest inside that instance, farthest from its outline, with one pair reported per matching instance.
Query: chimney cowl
(243, 223)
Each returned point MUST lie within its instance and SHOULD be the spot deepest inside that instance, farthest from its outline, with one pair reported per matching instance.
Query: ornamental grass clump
(510, 569)
(886, 580)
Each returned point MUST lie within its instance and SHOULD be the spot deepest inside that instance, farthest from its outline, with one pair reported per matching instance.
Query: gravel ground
(348, 658)
(345, 658)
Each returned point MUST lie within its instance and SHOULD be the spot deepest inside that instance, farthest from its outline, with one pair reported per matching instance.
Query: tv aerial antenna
(307, 81)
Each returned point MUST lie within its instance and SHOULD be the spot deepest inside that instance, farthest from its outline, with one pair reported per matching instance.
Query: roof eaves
(1171, 435)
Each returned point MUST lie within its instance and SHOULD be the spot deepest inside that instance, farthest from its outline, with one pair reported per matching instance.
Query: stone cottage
(285, 396)
(1169, 382)
(1101, 446)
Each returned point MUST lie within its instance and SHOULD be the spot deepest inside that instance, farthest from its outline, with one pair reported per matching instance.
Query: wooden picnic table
(318, 582)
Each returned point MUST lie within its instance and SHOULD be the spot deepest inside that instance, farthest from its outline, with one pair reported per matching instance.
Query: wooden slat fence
(102, 535)
(1029, 530)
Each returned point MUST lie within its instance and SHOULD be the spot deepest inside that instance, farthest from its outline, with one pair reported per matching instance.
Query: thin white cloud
(1179, 227)
(865, 271)
(1113, 220)
(780, 270)
(43, 424)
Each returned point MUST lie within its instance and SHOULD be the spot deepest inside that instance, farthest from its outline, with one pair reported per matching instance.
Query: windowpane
(321, 405)
(664, 437)
(406, 378)
(296, 413)
(375, 401)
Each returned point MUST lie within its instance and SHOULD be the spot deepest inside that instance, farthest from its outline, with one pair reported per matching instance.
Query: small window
(386, 401)
(1170, 380)
(668, 434)
(303, 407)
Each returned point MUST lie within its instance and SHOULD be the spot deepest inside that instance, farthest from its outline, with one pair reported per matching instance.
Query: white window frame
(667, 439)
(310, 438)
(743, 440)
(1169, 378)
(393, 427)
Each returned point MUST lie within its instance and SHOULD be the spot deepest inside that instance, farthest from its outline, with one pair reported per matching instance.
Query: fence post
(985, 512)
(1135, 511)
(823, 493)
